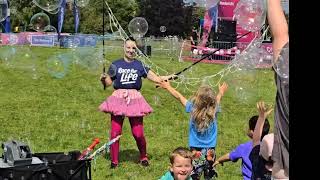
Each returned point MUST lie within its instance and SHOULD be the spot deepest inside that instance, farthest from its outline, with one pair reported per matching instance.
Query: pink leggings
(137, 132)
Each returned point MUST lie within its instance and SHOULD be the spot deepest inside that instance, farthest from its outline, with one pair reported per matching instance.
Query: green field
(61, 114)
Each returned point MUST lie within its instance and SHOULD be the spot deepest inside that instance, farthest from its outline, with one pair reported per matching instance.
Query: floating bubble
(82, 3)
(281, 65)
(90, 58)
(243, 84)
(48, 5)
(7, 53)
(3, 10)
(24, 61)
(252, 57)
(82, 54)
(250, 14)
(138, 27)
(24, 58)
(39, 21)
(163, 28)
(58, 65)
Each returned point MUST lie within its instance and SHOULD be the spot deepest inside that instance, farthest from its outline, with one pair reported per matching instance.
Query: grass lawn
(61, 114)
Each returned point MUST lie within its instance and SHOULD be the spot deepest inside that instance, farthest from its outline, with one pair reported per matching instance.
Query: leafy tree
(92, 18)
(172, 14)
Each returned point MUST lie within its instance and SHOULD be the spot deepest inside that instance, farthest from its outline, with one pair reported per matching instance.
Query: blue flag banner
(6, 22)
(7, 26)
(76, 16)
(61, 16)
(213, 13)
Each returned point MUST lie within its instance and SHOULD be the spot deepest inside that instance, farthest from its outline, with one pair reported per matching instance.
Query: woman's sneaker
(144, 162)
(113, 166)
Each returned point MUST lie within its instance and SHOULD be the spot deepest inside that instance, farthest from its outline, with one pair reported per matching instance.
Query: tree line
(177, 18)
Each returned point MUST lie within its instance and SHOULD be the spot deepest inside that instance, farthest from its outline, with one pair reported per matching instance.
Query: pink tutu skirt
(126, 102)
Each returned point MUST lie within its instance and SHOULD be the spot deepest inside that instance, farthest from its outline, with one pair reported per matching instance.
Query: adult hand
(103, 77)
(165, 84)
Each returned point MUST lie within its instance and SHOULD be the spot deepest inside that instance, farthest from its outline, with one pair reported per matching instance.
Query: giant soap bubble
(138, 27)
(7, 53)
(58, 65)
(23, 60)
(39, 21)
(82, 3)
(242, 84)
(48, 5)
(250, 14)
(3, 10)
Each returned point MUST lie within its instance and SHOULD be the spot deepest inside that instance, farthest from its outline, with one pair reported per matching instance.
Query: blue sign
(42, 40)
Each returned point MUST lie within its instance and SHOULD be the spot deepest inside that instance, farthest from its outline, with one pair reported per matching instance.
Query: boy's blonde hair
(180, 151)
(204, 103)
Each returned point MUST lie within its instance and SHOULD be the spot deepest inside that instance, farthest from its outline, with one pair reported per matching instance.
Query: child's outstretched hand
(263, 110)
(216, 163)
(164, 84)
(223, 88)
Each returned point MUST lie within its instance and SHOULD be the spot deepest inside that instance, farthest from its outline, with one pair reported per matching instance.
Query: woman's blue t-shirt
(127, 75)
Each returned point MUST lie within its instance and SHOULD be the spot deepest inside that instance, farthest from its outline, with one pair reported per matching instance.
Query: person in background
(243, 150)
(280, 44)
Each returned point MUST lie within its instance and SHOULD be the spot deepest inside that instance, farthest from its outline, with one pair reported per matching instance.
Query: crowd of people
(266, 156)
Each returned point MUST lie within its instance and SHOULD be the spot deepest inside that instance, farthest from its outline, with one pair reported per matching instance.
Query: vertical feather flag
(210, 20)
(7, 26)
(61, 16)
(76, 16)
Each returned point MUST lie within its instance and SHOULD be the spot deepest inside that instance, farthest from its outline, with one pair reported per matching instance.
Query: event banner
(42, 40)
(17, 38)
(78, 40)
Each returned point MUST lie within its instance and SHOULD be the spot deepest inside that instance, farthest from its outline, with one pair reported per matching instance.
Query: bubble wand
(103, 79)
(103, 148)
(85, 153)
(175, 75)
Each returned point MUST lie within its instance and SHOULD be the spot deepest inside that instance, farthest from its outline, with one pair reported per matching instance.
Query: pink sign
(226, 8)
(17, 38)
